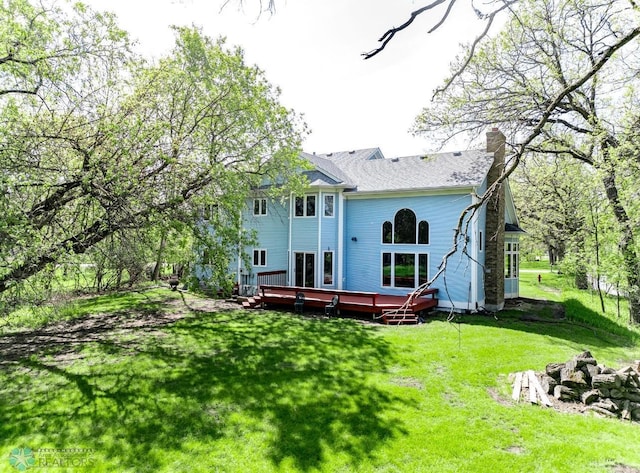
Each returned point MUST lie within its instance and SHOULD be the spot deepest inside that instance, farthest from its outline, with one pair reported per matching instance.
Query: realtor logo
(22, 458)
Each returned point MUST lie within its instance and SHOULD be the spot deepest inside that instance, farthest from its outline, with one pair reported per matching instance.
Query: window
(209, 211)
(328, 268)
(207, 257)
(480, 241)
(305, 206)
(423, 233)
(404, 229)
(328, 205)
(259, 257)
(387, 232)
(400, 269)
(511, 261)
(259, 206)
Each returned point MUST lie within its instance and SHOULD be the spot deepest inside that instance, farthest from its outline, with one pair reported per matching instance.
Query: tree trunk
(158, 265)
(626, 245)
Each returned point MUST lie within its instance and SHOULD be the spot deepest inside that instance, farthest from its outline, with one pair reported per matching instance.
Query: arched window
(423, 232)
(387, 232)
(405, 227)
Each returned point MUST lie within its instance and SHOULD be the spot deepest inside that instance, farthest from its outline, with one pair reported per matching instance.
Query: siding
(364, 219)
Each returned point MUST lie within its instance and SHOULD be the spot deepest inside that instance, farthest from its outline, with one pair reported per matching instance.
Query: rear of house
(368, 223)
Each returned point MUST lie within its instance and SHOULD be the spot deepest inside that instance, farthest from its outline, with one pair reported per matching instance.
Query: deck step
(252, 302)
(399, 318)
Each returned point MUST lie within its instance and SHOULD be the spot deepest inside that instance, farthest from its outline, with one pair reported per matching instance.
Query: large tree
(551, 81)
(105, 142)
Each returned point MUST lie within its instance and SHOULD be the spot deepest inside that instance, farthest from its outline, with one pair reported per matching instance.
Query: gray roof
(369, 171)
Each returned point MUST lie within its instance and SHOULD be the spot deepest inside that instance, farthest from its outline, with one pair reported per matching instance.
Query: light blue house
(369, 223)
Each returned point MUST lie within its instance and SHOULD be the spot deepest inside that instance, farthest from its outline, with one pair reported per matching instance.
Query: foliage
(108, 145)
(551, 81)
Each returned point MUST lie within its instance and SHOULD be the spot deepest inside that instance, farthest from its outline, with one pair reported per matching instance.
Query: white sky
(311, 50)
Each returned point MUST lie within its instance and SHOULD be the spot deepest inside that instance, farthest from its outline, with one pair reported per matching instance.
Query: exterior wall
(272, 234)
(363, 266)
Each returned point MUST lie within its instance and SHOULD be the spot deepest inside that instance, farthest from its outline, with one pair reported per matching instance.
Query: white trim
(333, 204)
(319, 271)
(304, 208)
(289, 250)
(340, 259)
(333, 268)
(476, 237)
(462, 191)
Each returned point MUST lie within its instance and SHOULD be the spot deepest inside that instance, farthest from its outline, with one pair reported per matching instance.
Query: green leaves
(113, 143)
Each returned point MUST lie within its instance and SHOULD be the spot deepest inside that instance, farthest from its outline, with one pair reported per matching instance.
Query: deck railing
(272, 278)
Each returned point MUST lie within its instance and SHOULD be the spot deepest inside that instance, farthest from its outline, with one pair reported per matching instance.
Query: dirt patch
(620, 468)
(121, 329)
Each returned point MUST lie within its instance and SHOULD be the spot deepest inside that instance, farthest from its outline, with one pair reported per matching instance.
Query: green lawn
(155, 381)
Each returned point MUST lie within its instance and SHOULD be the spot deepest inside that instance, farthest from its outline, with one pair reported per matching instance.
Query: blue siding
(272, 233)
(364, 219)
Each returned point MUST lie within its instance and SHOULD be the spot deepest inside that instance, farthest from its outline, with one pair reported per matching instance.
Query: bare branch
(388, 36)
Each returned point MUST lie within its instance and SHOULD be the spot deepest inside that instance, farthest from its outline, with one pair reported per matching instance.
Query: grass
(155, 381)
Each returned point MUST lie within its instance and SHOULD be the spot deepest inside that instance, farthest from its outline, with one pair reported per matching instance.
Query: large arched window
(404, 227)
(404, 230)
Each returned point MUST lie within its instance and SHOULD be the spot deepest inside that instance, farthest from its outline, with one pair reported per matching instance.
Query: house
(369, 223)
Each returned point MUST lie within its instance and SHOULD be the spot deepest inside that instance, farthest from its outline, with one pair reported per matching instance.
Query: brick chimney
(494, 229)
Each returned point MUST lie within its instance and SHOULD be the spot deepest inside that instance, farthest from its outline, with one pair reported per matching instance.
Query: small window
(259, 206)
(386, 269)
(328, 268)
(328, 205)
(259, 257)
(423, 233)
(480, 241)
(305, 206)
(387, 232)
(209, 211)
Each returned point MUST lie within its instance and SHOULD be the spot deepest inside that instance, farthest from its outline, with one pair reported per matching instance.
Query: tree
(111, 143)
(548, 81)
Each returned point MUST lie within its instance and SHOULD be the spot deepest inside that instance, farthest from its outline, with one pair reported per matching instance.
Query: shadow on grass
(298, 387)
(582, 325)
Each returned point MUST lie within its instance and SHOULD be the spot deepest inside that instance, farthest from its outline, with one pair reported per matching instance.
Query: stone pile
(604, 390)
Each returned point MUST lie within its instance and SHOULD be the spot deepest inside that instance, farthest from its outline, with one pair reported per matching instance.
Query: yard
(163, 381)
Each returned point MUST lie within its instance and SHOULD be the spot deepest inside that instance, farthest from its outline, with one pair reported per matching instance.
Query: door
(305, 269)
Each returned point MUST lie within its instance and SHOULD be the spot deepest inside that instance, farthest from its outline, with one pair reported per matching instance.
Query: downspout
(289, 254)
(340, 249)
(474, 253)
(320, 265)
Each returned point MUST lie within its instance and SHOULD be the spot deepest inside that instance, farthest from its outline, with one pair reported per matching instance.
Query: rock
(584, 358)
(606, 370)
(548, 383)
(553, 370)
(589, 397)
(590, 370)
(599, 410)
(573, 379)
(616, 393)
(565, 393)
(606, 380)
(606, 404)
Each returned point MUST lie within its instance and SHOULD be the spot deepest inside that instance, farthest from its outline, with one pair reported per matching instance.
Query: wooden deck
(389, 308)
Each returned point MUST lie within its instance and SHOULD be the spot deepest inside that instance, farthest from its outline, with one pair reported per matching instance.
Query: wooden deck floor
(389, 308)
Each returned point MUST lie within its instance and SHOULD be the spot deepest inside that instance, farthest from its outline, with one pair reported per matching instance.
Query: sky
(311, 50)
